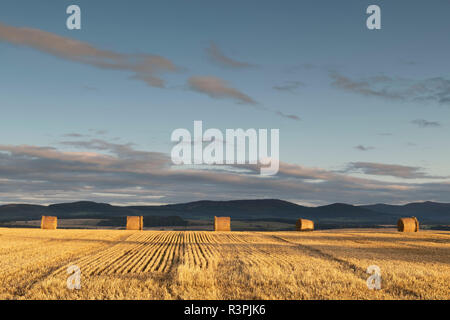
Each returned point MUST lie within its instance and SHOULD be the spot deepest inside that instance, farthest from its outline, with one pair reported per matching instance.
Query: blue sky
(363, 114)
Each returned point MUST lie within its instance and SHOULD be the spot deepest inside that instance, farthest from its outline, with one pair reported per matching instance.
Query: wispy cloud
(98, 132)
(73, 135)
(145, 67)
(218, 89)
(435, 89)
(219, 57)
(288, 116)
(289, 86)
(363, 148)
(393, 170)
(425, 123)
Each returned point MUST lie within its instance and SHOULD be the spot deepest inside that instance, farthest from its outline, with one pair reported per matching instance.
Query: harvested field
(123, 264)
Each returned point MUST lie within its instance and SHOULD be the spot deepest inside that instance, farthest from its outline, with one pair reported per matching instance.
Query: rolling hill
(263, 209)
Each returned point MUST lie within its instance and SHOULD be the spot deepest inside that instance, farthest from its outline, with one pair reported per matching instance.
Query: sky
(363, 114)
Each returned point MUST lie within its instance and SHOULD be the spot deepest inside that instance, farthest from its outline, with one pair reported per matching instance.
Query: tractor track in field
(360, 272)
(22, 289)
(322, 254)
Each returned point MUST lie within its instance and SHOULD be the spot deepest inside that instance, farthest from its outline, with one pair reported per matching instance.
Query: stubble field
(119, 264)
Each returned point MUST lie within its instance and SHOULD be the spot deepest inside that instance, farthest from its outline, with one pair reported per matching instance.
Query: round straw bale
(135, 223)
(408, 224)
(304, 225)
(222, 224)
(48, 222)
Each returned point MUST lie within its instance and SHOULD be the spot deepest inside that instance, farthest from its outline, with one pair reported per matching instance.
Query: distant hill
(426, 211)
(88, 208)
(236, 208)
(22, 211)
(269, 209)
